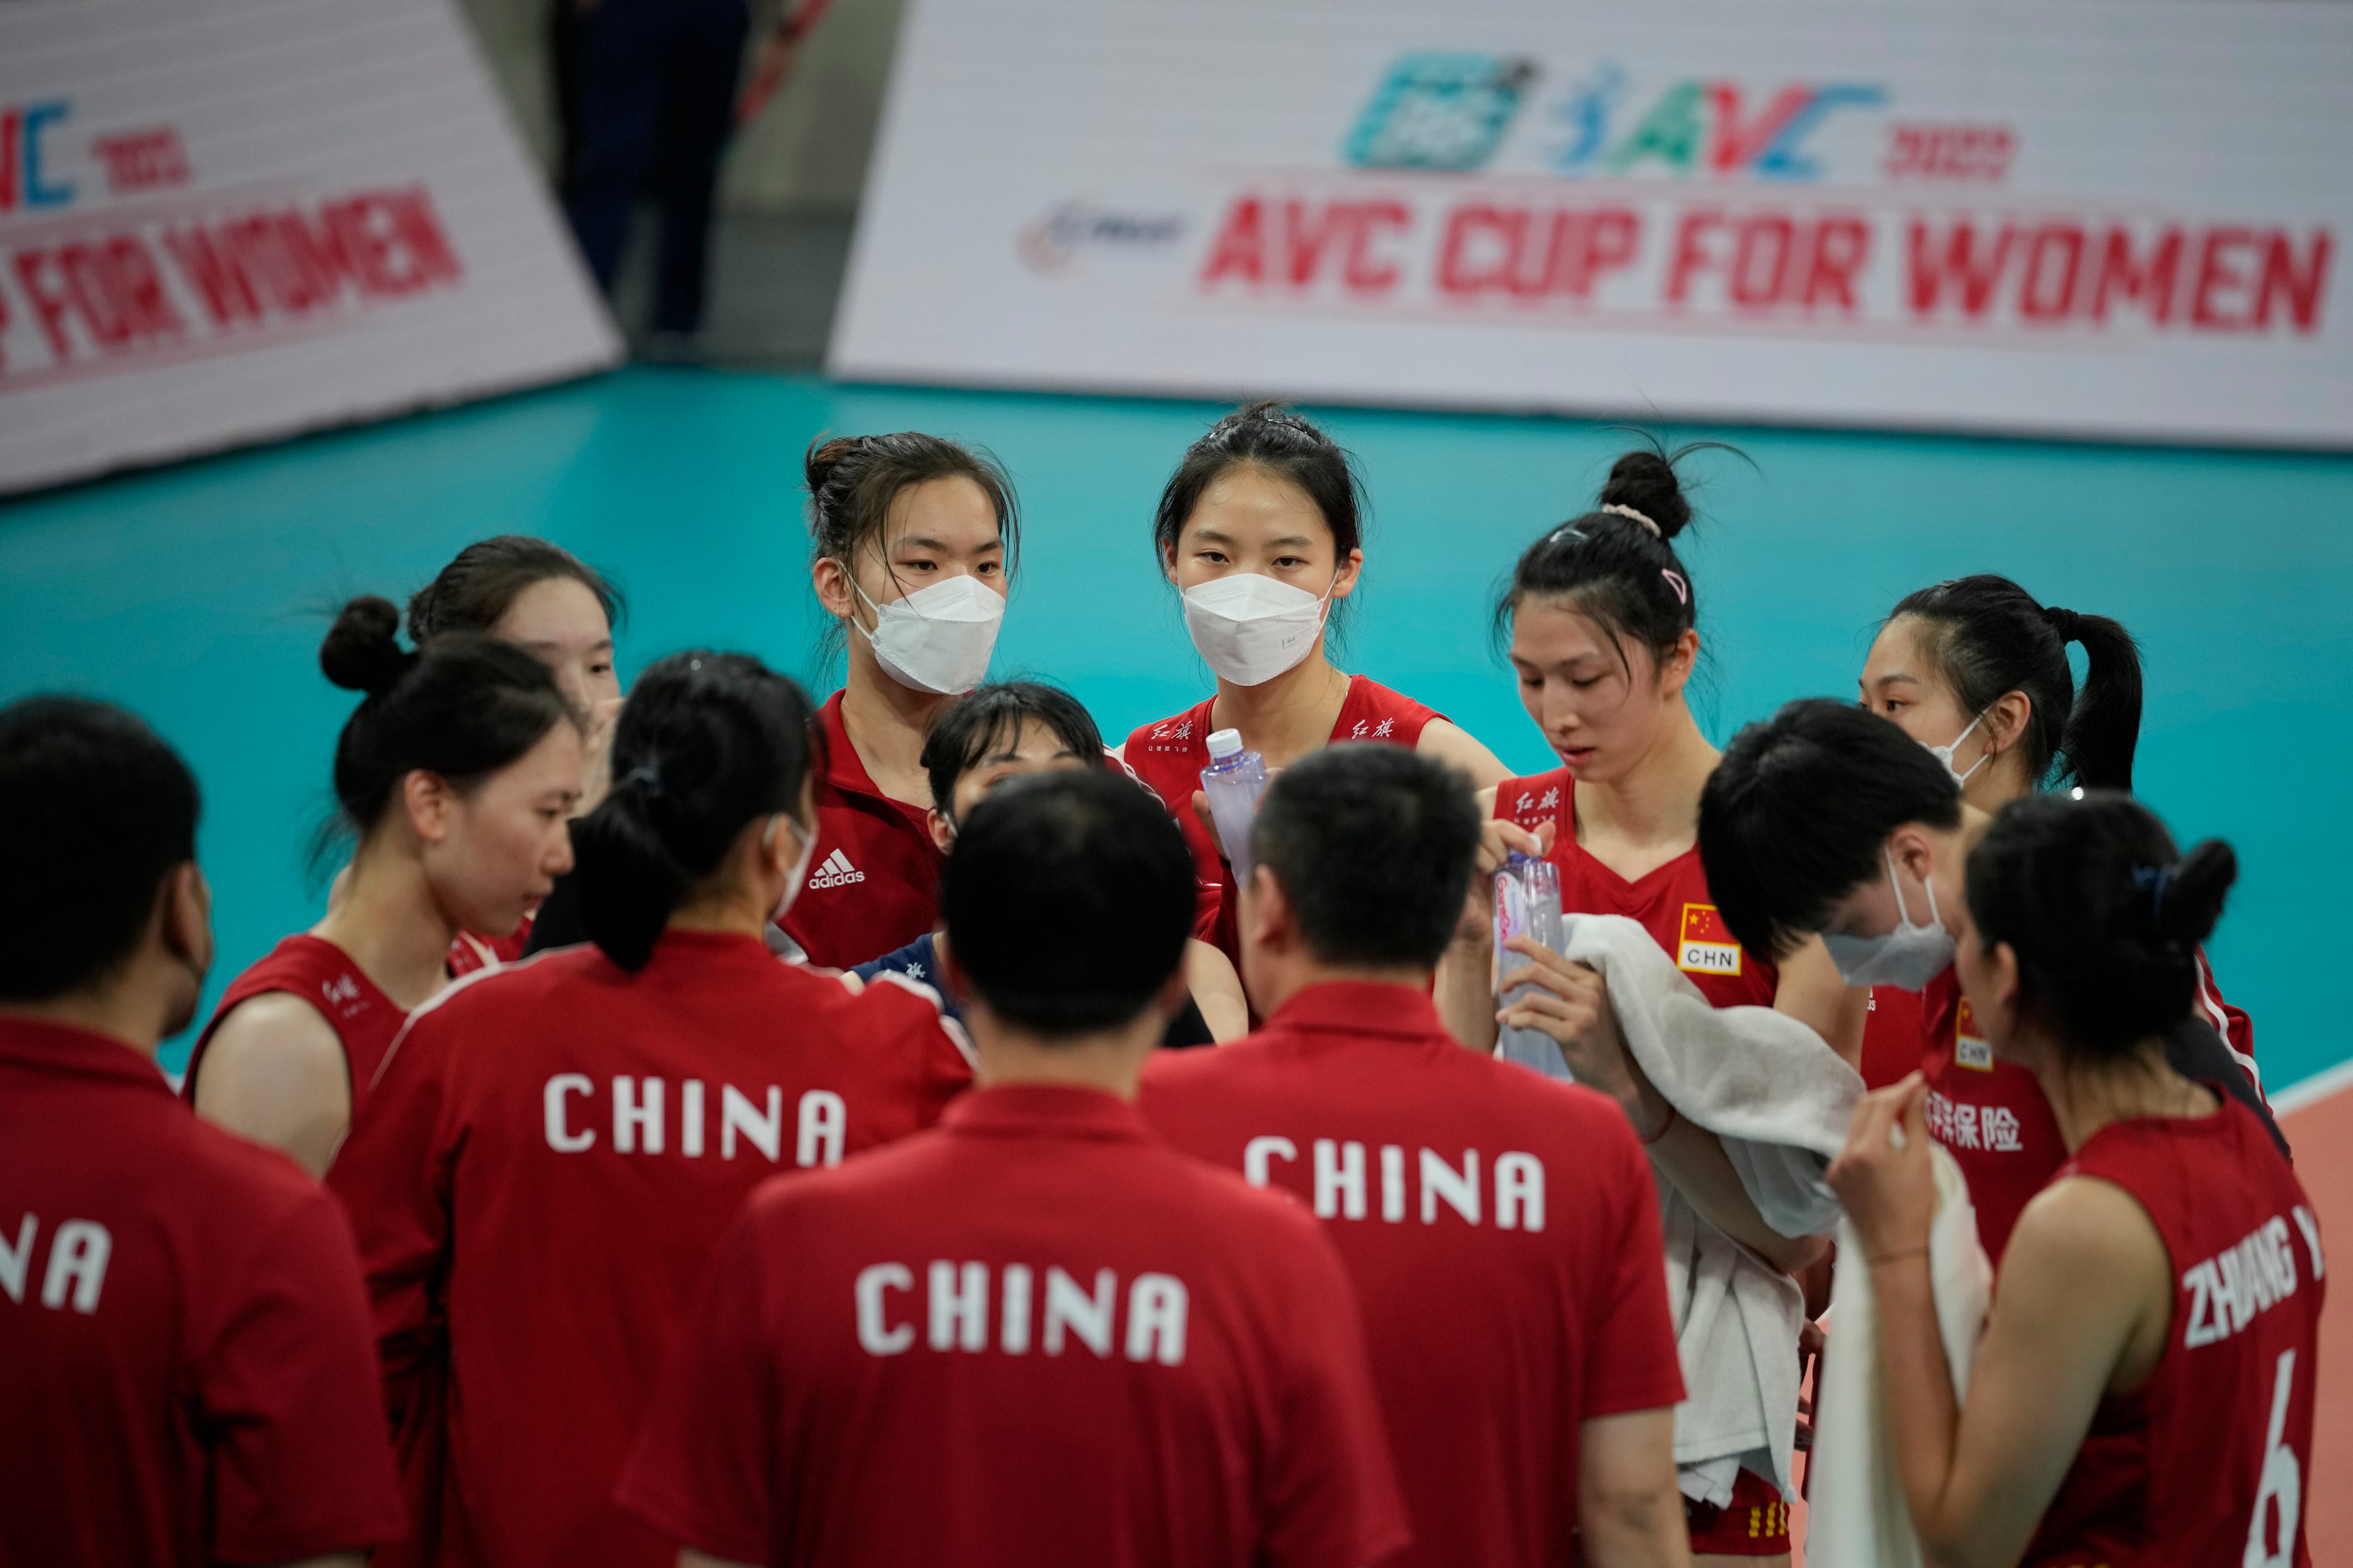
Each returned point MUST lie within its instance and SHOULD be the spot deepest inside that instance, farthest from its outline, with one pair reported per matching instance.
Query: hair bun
(2194, 892)
(362, 652)
(1644, 480)
(823, 458)
(2067, 624)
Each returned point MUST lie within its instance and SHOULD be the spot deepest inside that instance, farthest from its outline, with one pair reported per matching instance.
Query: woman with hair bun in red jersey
(553, 1147)
(1602, 616)
(458, 773)
(2142, 1392)
(1261, 531)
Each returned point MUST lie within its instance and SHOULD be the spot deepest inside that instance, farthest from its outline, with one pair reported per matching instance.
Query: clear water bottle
(1528, 903)
(1233, 781)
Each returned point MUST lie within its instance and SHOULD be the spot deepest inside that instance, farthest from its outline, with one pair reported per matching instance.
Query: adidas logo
(837, 872)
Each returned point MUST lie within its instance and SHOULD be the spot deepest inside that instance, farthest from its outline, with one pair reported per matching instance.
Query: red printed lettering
(2216, 274)
(1957, 265)
(2281, 281)
(2150, 284)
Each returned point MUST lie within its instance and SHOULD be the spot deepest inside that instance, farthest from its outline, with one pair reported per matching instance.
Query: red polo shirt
(553, 1150)
(1034, 1337)
(1502, 1231)
(185, 1371)
(874, 877)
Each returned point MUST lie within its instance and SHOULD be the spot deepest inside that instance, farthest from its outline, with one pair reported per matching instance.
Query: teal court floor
(196, 594)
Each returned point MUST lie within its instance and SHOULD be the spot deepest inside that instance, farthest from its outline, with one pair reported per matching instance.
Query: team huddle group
(706, 1127)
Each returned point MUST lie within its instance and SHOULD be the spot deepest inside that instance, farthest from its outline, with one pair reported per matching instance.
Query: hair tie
(1656, 532)
(648, 778)
(1675, 581)
(2152, 880)
(2067, 624)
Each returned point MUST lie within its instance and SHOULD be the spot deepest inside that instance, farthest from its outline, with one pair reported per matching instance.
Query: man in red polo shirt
(1502, 1229)
(1035, 1336)
(186, 1374)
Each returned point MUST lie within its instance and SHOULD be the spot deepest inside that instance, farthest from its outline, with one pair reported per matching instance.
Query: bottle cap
(1224, 743)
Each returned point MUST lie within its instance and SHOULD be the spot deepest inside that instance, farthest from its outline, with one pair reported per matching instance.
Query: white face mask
(1251, 628)
(1906, 958)
(1944, 753)
(797, 878)
(937, 638)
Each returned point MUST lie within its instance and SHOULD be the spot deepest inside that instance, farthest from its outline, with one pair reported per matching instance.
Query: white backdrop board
(2108, 217)
(227, 220)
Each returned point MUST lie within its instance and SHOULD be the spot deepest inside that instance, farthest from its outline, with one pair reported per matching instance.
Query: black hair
(1796, 815)
(988, 716)
(853, 479)
(1374, 846)
(2104, 912)
(478, 588)
(95, 811)
(464, 706)
(1617, 564)
(1069, 900)
(1987, 637)
(1270, 436)
(707, 744)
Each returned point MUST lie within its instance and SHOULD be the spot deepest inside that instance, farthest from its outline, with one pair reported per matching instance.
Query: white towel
(1857, 1517)
(1779, 1099)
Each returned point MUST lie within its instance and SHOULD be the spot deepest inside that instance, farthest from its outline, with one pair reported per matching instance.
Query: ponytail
(707, 744)
(1987, 637)
(2105, 914)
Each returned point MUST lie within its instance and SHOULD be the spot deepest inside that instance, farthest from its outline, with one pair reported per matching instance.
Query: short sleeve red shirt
(185, 1352)
(553, 1150)
(363, 1019)
(1168, 756)
(874, 876)
(1671, 901)
(2208, 1460)
(1036, 1336)
(1502, 1231)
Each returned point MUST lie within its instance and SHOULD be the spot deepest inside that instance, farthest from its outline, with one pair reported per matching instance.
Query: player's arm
(1216, 990)
(1448, 743)
(1464, 989)
(2082, 1305)
(1812, 992)
(1628, 1508)
(275, 1072)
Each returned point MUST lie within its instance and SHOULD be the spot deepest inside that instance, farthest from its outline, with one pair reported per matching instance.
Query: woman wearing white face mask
(1827, 820)
(913, 539)
(1260, 530)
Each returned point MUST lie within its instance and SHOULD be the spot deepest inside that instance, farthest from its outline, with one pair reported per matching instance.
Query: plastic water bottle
(1528, 903)
(1233, 781)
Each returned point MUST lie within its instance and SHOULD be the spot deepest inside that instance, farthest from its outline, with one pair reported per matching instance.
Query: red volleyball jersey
(1991, 1115)
(363, 1019)
(1501, 1232)
(2210, 1460)
(1169, 757)
(874, 877)
(1035, 1337)
(1670, 901)
(186, 1374)
(470, 954)
(552, 1152)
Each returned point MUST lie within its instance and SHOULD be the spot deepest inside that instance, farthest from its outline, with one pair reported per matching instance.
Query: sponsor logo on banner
(1439, 112)
(1705, 945)
(1057, 239)
(1969, 1048)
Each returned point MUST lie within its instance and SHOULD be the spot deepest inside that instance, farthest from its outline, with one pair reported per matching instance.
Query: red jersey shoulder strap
(1170, 754)
(1371, 712)
(1538, 799)
(323, 974)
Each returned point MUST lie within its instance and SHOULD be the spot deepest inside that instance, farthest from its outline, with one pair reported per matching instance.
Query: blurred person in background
(553, 1148)
(1009, 731)
(1502, 1231)
(186, 1376)
(456, 773)
(1261, 532)
(647, 96)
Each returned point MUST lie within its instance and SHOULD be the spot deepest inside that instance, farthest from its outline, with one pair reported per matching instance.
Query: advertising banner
(227, 220)
(2096, 217)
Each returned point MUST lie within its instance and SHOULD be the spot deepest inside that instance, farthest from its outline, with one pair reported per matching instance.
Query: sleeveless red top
(323, 974)
(1671, 901)
(2209, 1461)
(1170, 756)
(470, 953)
(1991, 1115)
